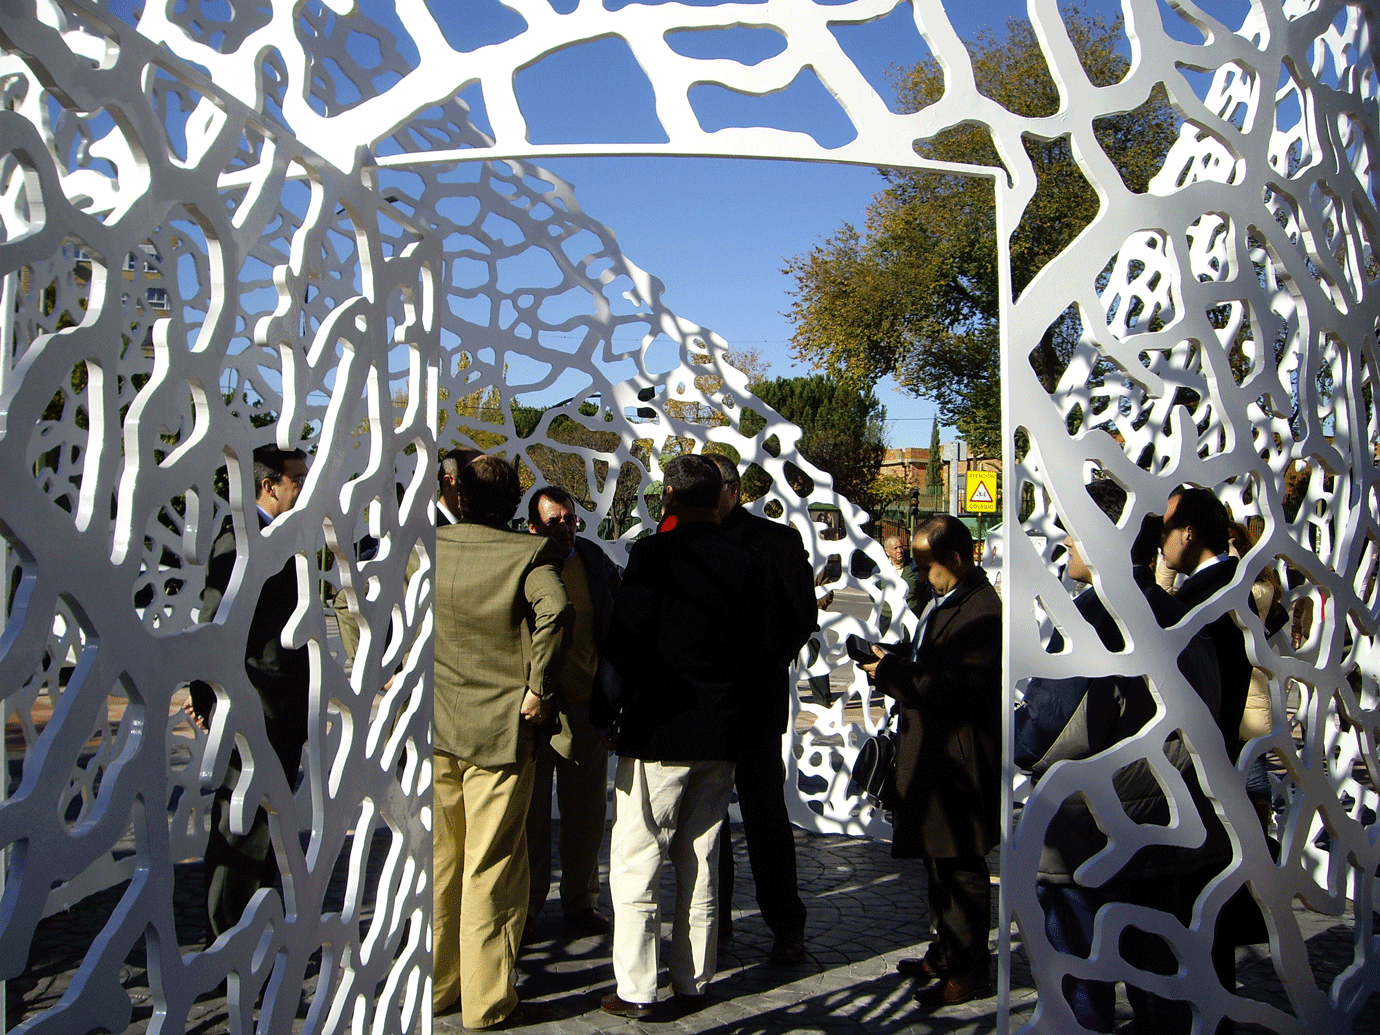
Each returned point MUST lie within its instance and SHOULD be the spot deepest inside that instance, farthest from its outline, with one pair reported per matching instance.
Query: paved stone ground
(866, 911)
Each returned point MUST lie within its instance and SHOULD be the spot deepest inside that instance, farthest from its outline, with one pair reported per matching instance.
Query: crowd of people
(548, 656)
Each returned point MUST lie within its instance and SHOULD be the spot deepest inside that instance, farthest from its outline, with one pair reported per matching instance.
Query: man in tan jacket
(502, 617)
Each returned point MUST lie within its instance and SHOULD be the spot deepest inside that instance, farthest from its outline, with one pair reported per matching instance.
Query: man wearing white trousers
(684, 640)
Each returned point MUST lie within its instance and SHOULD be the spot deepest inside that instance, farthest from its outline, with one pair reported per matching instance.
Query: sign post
(980, 494)
(954, 453)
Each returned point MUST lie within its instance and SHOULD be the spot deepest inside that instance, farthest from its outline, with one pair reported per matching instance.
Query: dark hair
(728, 470)
(1147, 542)
(452, 461)
(489, 491)
(548, 492)
(945, 534)
(1201, 509)
(270, 464)
(694, 480)
(1109, 497)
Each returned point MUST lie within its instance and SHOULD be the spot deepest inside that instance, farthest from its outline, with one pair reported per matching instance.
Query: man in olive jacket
(502, 616)
(948, 766)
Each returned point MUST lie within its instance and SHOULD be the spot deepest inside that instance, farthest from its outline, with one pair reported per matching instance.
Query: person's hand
(199, 720)
(533, 708)
(871, 670)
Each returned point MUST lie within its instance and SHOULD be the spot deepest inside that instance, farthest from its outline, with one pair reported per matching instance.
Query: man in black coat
(238, 865)
(792, 615)
(1194, 543)
(948, 765)
(688, 624)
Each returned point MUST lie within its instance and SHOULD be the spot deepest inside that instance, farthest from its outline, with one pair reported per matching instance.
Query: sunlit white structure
(221, 225)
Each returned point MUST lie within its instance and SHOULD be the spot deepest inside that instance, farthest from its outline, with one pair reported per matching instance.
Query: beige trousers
(666, 811)
(479, 894)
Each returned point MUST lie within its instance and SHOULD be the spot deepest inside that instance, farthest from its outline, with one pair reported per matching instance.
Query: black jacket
(686, 630)
(1078, 717)
(1229, 640)
(948, 764)
(281, 675)
(791, 611)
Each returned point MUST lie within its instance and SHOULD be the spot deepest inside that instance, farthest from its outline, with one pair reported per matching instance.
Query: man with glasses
(574, 754)
(237, 865)
(1194, 543)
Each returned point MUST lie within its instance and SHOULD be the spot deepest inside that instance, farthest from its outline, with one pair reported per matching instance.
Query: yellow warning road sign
(981, 494)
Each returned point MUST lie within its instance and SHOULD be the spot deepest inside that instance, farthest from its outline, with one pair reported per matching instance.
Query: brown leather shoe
(918, 967)
(519, 1017)
(588, 922)
(951, 992)
(622, 1008)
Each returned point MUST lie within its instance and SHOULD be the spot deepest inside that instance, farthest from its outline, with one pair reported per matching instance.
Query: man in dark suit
(238, 865)
(948, 766)
(1195, 544)
(792, 615)
(687, 627)
(1077, 717)
(575, 755)
(502, 617)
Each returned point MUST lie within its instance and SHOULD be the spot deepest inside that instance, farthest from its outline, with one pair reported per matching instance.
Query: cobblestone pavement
(866, 911)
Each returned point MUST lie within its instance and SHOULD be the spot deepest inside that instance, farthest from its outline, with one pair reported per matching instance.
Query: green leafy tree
(915, 293)
(843, 428)
(748, 360)
(934, 465)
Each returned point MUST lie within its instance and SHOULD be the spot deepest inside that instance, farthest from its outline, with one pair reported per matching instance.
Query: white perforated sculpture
(223, 226)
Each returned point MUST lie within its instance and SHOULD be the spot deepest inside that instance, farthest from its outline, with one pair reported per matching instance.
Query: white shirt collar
(1217, 559)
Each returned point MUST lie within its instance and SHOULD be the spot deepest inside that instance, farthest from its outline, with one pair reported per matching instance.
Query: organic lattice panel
(184, 282)
(1229, 342)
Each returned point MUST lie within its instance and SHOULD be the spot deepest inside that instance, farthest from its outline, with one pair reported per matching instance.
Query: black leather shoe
(918, 967)
(951, 992)
(622, 1008)
(788, 950)
(588, 922)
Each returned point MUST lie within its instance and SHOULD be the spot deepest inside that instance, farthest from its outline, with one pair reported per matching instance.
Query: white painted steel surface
(200, 226)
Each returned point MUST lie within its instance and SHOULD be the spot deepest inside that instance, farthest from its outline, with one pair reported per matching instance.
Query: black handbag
(874, 770)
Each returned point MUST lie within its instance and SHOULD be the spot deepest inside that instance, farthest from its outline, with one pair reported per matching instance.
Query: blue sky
(717, 232)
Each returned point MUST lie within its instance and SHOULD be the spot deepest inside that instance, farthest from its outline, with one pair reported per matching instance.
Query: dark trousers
(235, 866)
(760, 778)
(961, 906)
(1069, 916)
(1223, 946)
